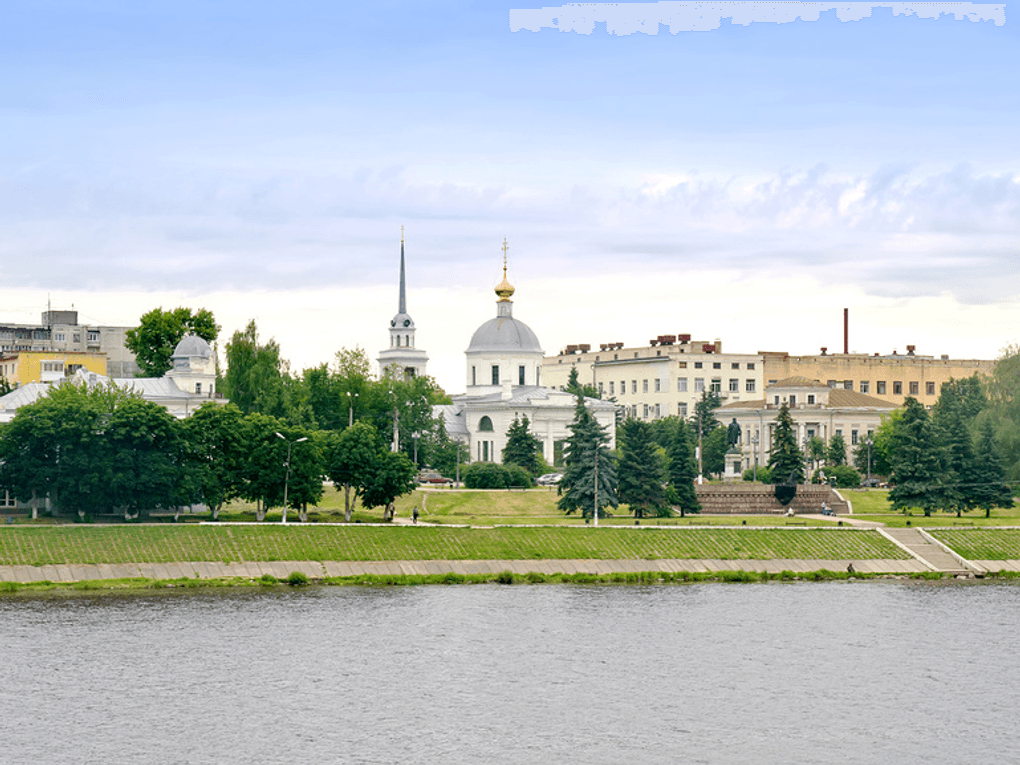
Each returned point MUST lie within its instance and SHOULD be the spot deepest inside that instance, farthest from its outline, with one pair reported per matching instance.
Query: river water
(859, 672)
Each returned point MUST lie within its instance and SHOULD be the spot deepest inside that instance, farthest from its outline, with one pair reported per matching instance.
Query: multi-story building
(666, 377)
(890, 378)
(23, 367)
(60, 331)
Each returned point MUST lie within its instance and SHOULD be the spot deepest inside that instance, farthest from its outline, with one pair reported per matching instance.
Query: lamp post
(286, 481)
(867, 442)
(457, 468)
(595, 516)
(350, 403)
(754, 448)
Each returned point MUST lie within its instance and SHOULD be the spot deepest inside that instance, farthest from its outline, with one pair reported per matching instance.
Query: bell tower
(402, 359)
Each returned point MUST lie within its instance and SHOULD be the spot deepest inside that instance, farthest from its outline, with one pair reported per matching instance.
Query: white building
(504, 382)
(402, 358)
(816, 410)
(666, 377)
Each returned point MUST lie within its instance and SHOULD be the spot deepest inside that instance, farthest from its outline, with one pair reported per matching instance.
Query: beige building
(666, 377)
(890, 378)
(60, 331)
(816, 410)
(23, 367)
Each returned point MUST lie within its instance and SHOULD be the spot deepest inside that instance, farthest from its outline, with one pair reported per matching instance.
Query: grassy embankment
(873, 505)
(337, 542)
(981, 543)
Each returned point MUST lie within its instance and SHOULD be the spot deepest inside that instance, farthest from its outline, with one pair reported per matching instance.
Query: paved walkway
(924, 548)
(318, 570)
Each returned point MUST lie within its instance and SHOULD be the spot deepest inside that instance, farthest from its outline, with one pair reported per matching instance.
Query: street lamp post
(754, 448)
(286, 481)
(457, 468)
(867, 442)
(350, 403)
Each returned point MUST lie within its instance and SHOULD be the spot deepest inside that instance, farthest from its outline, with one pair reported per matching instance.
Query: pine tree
(682, 469)
(989, 489)
(916, 461)
(785, 458)
(521, 447)
(951, 419)
(640, 471)
(704, 412)
(586, 445)
(836, 453)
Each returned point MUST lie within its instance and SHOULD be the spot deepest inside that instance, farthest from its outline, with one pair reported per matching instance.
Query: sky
(746, 183)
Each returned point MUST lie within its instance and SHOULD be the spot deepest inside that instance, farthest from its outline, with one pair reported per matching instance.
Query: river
(858, 672)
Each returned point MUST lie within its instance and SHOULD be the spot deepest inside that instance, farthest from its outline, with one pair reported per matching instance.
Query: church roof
(504, 333)
(193, 345)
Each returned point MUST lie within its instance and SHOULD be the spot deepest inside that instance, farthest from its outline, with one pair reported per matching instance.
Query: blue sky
(747, 183)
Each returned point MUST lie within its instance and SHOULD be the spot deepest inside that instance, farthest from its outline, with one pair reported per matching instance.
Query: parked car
(549, 479)
(432, 477)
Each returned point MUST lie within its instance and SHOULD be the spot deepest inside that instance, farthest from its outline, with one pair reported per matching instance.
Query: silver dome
(193, 345)
(504, 333)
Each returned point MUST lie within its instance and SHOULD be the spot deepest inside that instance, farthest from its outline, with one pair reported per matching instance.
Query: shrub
(504, 577)
(486, 475)
(518, 476)
(764, 474)
(846, 476)
(268, 580)
(296, 579)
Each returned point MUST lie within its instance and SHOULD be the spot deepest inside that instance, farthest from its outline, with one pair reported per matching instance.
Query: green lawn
(873, 505)
(191, 542)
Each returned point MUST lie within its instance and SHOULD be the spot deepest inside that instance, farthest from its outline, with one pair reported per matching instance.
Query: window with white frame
(699, 384)
(749, 386)
(681, 385)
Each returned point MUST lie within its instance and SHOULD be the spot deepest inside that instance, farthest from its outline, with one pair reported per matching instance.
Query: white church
(503, 379)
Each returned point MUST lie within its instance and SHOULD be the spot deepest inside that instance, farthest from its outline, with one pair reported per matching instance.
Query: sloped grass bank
(36, 546)
(981, 544)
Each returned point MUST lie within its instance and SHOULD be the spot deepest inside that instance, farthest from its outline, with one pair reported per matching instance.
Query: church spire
(504, 290)
(403, 288)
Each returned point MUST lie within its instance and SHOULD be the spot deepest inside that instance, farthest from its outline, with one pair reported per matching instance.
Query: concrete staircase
(933, 555)
(751, 498)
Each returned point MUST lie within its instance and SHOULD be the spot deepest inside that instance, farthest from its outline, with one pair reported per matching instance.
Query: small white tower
(194, 367)
(402, 359)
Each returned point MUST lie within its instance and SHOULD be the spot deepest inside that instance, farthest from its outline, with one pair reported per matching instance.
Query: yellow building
(889, 378)
(23, 367)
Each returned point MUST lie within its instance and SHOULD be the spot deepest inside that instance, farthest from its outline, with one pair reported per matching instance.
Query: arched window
(485, 424)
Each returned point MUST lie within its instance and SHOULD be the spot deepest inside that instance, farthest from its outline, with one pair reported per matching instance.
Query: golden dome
(504, 289)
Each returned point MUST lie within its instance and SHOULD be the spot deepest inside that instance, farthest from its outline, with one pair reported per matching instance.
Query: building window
(658, 412)
(897, 388)
(750, 365)
(485, 424)
(880, 387)
(633, 386)
(793, 400)
(777, 400)
(839, 432)
(645, 411)
(914, 385)
(644, 386)
(7, 500)
(600, 390)
(683, 365)
(832, 383)
(734, 386)
(699, 384)
(59, 336)
(92, 337)
(495, 374)
(658, 385)
(716, 365)
(697, 365)
(520, 375)
(716, 385)
(681, 410)
(611, 386)
(198, 389)
(853, 437)
(749, 386)
(474, 376)
(929, 388)
(623, 387)
(735, 365)
(848, 385)
(811, 399)
(865, 386)
(681, 385)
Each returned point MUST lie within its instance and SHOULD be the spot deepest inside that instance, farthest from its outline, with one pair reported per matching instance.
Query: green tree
(574, 386)
(640, 473)
(254, 378)
(521, 448)
(989, 488)
(586, 456)
(158, 333)
(392, 475)
(816, 450)
(682, 470)
(351, 457)
(785, 458)
(715, 445)
(215, 450)
(704, 412)
(952, 417)
(835, 455)
(917, 464)
(1004, 409)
